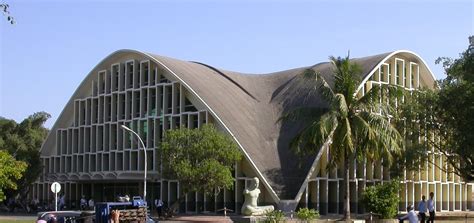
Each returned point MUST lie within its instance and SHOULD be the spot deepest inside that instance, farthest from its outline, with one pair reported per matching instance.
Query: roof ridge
(228, 78)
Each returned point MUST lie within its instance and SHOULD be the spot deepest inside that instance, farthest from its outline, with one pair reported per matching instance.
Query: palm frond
(336, 148)
(348, 138)
(338, 69)
(381, 98)
(365, 138)
(342, 139)
(388, 140)
(314, 135)
(347, 77)
(340, 105)
(320, 85)
(324, 89)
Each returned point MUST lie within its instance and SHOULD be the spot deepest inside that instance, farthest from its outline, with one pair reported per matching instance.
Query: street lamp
(144, 150)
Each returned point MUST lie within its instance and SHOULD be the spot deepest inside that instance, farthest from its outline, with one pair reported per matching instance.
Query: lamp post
(144, 150)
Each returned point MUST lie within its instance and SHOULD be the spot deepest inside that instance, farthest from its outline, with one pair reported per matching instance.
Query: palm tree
(357, 126)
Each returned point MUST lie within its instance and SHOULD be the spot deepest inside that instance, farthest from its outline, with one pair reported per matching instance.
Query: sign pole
(55, 188)
(55, 200)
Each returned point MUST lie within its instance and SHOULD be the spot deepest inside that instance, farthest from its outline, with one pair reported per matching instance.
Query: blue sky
(54, 44)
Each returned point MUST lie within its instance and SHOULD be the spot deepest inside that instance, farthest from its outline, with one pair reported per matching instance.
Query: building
(91, 155)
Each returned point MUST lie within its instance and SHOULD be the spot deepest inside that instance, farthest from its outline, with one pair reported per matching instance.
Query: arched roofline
(366, 78)
(71, 99)
(152, 58)
(254, 166)
(64, 115)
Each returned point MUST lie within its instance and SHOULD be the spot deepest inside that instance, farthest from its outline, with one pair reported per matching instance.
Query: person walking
(410, 216)
(422, 209)
(431, 208)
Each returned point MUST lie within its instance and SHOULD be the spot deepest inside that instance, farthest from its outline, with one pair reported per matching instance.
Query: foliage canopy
(455, 109)
(23, 141)
(11, 171)
(446, 113)
(382, 199)
(201, 159)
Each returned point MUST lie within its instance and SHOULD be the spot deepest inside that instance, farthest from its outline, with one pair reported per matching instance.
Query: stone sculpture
(250, 207)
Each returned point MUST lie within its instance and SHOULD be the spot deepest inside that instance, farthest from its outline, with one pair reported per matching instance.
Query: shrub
(382, 199)
(306, 214)
(275, 216)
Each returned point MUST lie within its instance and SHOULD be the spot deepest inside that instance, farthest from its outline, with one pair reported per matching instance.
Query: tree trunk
(347, 208)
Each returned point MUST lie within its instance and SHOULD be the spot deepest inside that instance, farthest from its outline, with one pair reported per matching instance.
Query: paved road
(444, 218)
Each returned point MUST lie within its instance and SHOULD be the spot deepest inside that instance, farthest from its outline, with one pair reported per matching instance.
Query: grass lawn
(16, 221)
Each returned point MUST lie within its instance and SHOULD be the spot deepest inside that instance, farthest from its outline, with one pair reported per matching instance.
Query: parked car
(65, 217)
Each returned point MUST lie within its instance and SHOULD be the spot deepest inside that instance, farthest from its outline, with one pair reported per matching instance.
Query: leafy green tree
(382, 199)
(23, 141)
(201, 159)
(415, 119)
(442, 119)
(455, 109)
(11, 170)
(354, 130)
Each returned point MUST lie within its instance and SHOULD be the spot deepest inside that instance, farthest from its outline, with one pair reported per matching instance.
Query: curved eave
(410, 53)
(70, 102)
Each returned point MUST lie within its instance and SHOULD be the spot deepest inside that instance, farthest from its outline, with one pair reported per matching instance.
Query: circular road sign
(55, 187)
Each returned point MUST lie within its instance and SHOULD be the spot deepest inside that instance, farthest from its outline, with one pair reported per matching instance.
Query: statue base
(287, 206)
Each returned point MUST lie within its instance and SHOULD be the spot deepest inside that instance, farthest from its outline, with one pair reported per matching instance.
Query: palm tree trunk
(347, 208)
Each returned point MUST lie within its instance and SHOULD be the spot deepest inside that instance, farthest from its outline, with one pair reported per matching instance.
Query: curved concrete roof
(248, 106)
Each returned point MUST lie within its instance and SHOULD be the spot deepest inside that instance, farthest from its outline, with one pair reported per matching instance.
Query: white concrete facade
(89, 154)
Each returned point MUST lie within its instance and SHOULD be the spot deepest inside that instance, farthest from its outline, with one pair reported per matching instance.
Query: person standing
(36, 204)
(83, 203)
(422, 209)
(431, 208)
(91, 204)
(411, 215)
(62, 202)
(159, 206)
(11, 204)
